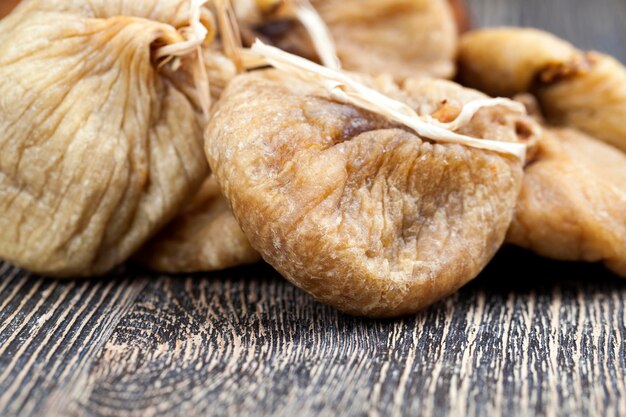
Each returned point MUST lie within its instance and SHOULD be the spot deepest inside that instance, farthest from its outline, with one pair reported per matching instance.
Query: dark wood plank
(50, 331)
(244, 342)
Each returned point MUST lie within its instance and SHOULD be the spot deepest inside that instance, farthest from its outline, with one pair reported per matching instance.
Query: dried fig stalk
(101, 142)
(583, 90)
(355, 209)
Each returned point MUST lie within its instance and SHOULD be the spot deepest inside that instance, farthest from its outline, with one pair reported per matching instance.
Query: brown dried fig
(582, 90)
(358, 211)
(100, 140)
(405, 38)
(573, 201)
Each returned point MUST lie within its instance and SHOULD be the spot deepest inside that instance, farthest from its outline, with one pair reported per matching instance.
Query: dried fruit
(583, 90)
(573, 201)
(361, 212)
(204, 237)
(405, 38)
(101, 137)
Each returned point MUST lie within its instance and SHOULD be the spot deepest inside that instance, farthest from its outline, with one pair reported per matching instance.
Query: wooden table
(243, 342)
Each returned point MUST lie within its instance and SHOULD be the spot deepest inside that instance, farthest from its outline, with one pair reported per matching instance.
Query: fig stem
(194, 36)
(318, 32)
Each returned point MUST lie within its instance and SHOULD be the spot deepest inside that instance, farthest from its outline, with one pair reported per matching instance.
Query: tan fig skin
(573, 201)
(99, 149)
(359, 212)
(405, 38)
(582, 90)
(204, 237)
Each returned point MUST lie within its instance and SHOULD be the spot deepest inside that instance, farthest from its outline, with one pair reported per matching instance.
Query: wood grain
(50, 331)
(244, 342)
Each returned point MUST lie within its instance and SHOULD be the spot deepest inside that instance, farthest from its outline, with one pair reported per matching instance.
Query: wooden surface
(243, 342)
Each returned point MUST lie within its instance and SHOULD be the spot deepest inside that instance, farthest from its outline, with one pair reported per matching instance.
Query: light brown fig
(359, 212)
(100, 140)
(574, 88)
(573, 201)
(405, 38)
(204, 237)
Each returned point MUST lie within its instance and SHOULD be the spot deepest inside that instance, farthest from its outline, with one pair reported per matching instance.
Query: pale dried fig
(100, 144)
(582, 90)
(359, 212)
(573, 201)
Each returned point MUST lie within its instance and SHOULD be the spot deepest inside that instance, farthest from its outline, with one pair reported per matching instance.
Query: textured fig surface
(361, 213)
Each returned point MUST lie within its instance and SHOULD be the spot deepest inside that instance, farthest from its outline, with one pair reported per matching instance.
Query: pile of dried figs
(324, 137)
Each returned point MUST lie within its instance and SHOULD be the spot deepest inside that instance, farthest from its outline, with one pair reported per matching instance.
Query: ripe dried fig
(100, 143)
(358, 211)
(573, 201)
(582, 90)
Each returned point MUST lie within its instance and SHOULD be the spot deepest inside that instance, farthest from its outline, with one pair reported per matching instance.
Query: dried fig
(573, 201)
(582, 90)
(101, 140)
(405, 38)
(360, 212)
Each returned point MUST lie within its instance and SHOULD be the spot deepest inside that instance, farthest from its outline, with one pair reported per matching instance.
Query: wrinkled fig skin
(405, 38)
(98, 150)
(204, 237)
(573, 201)
(361, 214)
(582, 90)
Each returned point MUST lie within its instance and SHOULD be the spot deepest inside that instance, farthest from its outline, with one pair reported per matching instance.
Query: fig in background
(405, 38)
(586, 90)
(573, 201)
